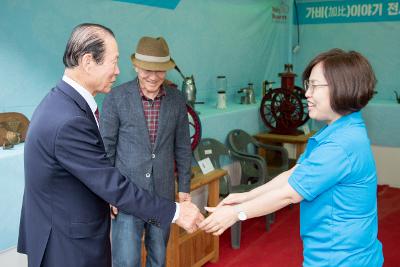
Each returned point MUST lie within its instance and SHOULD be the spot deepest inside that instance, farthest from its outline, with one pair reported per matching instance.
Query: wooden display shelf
(185, 250)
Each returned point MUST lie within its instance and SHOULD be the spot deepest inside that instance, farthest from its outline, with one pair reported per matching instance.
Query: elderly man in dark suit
(144, 125)
(69, 181)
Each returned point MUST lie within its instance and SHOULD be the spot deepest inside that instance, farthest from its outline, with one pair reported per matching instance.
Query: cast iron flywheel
(283, 110)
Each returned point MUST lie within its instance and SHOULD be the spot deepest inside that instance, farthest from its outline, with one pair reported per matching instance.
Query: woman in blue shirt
(334, 179)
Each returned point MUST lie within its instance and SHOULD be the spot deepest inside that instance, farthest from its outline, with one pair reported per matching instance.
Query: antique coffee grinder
(188, 88)
(189, 91)
(284, 109)
(248, 96)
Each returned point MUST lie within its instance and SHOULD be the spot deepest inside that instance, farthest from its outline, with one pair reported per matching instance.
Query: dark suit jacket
(69, 182)
(126, 138)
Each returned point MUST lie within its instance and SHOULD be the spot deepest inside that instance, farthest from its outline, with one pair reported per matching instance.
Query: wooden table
(299, 141)
(195, 249)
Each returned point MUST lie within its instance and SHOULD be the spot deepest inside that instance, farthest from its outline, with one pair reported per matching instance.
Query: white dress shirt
(84, 93)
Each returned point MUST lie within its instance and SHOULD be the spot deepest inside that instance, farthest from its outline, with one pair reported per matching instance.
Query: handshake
(221, 217)
(191, 219)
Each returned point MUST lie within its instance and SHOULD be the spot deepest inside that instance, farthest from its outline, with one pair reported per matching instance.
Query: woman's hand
(222, 217)
(234, 199)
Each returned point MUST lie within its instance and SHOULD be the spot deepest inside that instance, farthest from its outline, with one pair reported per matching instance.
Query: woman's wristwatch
(240, 213)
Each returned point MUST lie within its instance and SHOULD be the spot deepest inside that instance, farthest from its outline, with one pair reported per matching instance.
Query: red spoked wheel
(282, 111)
(194, 127)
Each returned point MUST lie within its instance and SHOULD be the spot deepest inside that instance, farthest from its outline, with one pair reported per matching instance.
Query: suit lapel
(135, 102)
(164, 116)
(78, 99)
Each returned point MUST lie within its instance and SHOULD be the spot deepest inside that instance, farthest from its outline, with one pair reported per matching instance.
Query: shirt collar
(82, 91)
(352, 118)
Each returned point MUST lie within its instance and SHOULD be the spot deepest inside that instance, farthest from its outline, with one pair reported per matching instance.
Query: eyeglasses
(309, 86)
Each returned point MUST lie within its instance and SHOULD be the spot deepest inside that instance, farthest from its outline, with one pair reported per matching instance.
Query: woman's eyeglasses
(310, 86)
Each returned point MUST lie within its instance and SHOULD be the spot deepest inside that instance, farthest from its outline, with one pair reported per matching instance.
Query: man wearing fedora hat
(145, 127)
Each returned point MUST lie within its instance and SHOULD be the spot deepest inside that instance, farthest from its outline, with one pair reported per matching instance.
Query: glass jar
(221, 83)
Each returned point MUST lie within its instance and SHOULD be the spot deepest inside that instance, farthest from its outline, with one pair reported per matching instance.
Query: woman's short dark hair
(86, 38)
(350, 77)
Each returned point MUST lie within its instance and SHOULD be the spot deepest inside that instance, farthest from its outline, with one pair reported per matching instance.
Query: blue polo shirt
(336, 176)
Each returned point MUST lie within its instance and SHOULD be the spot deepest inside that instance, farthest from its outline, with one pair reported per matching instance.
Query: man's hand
(189, 217)
(113, 212)
(184, 197)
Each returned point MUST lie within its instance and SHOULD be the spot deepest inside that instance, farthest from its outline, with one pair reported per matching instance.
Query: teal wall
(236, 38)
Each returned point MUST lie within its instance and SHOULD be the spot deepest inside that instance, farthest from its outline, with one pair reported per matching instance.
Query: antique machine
(194, 127)
(284, 109)
(189, 91)
(248, 95)
(13, 128)
(188, 88)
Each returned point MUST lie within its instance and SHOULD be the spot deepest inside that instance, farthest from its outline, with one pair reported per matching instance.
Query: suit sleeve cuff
(177, 210)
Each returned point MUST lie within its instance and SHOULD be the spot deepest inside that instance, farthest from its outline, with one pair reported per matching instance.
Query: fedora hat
(152, 54)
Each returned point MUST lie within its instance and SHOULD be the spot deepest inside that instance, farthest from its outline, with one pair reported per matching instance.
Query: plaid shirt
(151, 110)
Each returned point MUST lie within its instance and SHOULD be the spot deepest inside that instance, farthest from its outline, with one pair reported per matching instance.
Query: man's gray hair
(86, 38)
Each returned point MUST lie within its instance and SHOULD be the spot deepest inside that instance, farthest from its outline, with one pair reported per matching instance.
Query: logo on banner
(280, 13)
